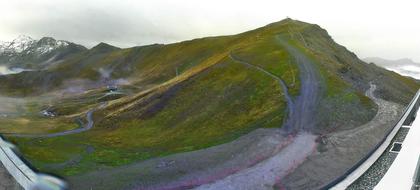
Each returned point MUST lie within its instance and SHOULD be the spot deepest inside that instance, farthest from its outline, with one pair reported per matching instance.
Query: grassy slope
(339, 64)
(228, 101)
(346, 78)
(213, 100)
(23, 116)
(35, 125)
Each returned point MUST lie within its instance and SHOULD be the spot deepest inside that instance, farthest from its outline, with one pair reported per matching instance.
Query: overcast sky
(383, 28)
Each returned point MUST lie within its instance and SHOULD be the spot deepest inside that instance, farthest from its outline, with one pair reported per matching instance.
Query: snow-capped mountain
(18, 45)
(47, 44)
(26, 52)
(27, 45)
(3, 45)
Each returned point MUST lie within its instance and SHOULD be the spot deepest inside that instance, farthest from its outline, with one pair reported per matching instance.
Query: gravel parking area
(339, 151)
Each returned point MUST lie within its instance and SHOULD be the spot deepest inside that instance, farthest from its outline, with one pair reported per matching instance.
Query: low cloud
(370, 28)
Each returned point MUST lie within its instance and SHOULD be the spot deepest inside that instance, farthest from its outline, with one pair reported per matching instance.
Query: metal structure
(416, 177)
(358, 169)
(23, 174)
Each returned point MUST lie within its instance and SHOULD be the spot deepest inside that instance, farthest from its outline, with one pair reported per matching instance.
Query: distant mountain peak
(24, 51)
(23, 38)
(104, 47)
(48, 44)
(47, 40)
(390, 62)
(408, 60)
(26, 44)
(18, 45)
(103, 44)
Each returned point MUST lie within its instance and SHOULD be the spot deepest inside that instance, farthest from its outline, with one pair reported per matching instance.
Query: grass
(32, 125)
(22, 115)
(212, 101)
(214, 107)
(339, 94)
(269, 55)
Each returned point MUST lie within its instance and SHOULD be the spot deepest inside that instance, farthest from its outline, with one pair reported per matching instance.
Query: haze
(387, 29)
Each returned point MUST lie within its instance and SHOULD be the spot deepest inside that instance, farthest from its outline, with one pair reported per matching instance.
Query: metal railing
(406, 118)
(23, 174)
(416, 177)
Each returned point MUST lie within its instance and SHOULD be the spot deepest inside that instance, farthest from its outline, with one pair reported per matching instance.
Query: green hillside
(192, 95)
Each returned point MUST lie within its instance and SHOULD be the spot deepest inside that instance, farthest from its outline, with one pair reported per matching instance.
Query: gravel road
(337, 152)
(270, 172)
(309, 96)
(86, 127)
(267, 173)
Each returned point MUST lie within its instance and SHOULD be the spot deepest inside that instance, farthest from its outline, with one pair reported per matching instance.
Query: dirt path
(290, 104)
(189, 169)
(269, 172)
(310, 91)
(301, 109)
(85, 127)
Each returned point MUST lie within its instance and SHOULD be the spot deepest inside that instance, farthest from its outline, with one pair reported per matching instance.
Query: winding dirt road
(310, 91)
(290, 104)
(86, 127)
(302, 108)
(269, 172)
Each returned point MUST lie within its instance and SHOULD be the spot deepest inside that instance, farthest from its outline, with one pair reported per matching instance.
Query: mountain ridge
(27, 53)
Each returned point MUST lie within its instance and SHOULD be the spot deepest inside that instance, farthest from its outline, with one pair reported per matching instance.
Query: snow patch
(27, 45)
(51, 46)
(20, 44)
